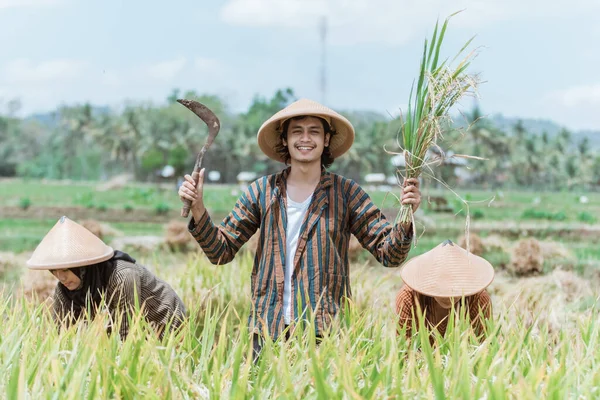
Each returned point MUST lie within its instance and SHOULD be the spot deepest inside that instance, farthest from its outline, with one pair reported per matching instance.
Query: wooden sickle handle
(187, 204)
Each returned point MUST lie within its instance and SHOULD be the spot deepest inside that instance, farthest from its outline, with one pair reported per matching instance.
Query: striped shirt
(320, 276)
(158, 301)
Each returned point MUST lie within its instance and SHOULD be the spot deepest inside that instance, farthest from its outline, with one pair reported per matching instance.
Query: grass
(18, 235)
(491, 207)
(524, 357)
(220, 199)
(542, 214)
(365, 358)
(87, 195)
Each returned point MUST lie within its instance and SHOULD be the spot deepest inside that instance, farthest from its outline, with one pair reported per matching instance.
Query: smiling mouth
(304, 148)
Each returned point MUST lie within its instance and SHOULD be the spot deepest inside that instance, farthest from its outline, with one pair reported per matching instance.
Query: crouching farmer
(444, 278)
(88, 271)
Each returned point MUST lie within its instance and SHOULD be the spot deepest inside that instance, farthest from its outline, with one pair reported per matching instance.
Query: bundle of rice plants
(439, 87)
(527, 258)
(178, 237)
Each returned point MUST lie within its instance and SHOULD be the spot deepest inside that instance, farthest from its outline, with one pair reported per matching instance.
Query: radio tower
(323, 77)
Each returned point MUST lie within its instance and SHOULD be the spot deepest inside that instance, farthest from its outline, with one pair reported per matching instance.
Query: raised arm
(388, 243)
(221, 242)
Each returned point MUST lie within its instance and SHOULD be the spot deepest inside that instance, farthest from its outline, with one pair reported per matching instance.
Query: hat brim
(340, 142)
(426, 275)
(73, 264)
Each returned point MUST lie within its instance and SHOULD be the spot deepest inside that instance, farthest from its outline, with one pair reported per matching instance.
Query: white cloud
(165, 70)
(391, 21)
(576, 106)
(213, 69)
(273, 12)
(111, 78)
(43, 85)
(577, 96)
(24, 71)
(30, 3)
(207, 64)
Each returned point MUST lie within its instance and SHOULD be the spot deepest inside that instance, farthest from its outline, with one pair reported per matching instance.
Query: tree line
(83, 142)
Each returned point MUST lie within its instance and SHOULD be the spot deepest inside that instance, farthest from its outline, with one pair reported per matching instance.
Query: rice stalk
(364, 357)
(439, 87)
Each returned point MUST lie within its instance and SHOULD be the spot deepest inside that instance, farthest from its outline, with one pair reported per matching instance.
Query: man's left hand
(411, 193)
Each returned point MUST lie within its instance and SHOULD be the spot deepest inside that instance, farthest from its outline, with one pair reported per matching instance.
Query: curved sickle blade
(211, 120)
(206, 115)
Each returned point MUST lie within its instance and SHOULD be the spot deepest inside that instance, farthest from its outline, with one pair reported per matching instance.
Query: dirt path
(110, 215)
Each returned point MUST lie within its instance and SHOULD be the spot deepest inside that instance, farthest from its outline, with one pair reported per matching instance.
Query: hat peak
(69, 245)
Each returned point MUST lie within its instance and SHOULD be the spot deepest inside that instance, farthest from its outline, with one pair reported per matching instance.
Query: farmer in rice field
(88, 271)
(445, 277)
(306, 216)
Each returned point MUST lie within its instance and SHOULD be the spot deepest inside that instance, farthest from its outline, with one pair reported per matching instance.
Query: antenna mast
(323, 77)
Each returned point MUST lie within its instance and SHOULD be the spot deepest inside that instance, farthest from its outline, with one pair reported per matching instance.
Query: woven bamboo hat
(268, 134)
(448, 271)
(69, 245)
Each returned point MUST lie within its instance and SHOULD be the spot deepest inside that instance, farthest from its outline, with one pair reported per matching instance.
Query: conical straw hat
(268, 134)
(448, 271)
(69, 245)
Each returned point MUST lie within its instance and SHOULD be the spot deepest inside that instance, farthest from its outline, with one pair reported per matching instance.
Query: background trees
(84, 142)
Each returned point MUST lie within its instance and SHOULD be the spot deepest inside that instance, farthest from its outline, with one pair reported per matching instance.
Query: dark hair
(283, 151)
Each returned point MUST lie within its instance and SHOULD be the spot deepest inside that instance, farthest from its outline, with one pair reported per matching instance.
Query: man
(306, 216)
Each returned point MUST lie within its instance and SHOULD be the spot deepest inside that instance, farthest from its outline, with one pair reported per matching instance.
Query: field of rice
(543, 341)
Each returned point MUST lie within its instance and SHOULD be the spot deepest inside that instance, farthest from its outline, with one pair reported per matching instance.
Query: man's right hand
(190, 191)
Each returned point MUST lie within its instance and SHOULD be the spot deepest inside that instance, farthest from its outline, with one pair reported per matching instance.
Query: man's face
(306, 140)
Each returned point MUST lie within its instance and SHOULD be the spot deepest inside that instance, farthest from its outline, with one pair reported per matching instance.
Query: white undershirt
(295, 217)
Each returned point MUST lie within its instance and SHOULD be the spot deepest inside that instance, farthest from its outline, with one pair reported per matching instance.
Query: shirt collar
(326, 179)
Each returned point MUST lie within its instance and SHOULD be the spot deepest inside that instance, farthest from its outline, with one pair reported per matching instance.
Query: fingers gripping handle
(187, 205)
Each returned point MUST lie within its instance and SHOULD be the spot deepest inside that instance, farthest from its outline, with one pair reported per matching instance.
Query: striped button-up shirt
(320, 276)
(130, 284)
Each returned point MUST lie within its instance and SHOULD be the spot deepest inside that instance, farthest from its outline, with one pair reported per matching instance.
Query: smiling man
(306, 216)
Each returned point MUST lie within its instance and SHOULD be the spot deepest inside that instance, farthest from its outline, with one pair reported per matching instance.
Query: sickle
(213, 124)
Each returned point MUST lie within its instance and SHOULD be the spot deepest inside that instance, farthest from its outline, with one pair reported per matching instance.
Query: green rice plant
(143, 195)
(24, 203)
(439, 87)
(83, 198)
(364, 357)
(162, 208)
(586, 217)
(532, 213)
(460, 209)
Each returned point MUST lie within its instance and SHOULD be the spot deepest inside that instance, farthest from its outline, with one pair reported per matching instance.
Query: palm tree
(484, 140)
(75, 128)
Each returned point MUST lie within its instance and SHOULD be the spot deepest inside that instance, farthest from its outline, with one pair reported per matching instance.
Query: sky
(536, 58)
